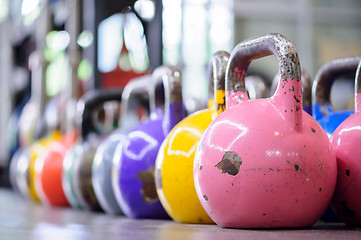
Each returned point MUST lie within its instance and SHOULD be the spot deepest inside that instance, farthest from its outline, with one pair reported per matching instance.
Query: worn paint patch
(296, 99)
(230, 164)
(149, 191)
(220, 101)
(297, 168)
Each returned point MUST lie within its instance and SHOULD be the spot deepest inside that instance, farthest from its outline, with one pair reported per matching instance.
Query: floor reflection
(23, 219)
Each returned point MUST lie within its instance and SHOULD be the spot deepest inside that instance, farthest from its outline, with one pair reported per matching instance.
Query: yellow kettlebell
(174, 164)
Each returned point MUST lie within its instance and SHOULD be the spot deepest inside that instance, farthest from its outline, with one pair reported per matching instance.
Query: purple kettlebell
(135, 191)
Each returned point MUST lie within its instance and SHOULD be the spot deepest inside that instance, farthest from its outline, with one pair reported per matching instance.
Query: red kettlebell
(264, 163)
(50, 164)
(346, 142)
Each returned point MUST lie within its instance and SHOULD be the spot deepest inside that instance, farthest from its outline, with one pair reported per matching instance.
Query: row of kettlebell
(45, 130)
(260, 159)
(246, 167)
(62, 169)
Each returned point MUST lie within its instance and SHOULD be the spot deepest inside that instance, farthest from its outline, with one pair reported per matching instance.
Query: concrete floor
(22, 219)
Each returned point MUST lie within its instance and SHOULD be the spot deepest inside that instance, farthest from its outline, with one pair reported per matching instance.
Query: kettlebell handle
(324, 79)
(135, 86)
(358, 89)
(217, 73)
(171, 78)
(88, 103)
(288, 96)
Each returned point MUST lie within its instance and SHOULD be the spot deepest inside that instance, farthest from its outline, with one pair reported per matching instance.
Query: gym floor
(23, 219)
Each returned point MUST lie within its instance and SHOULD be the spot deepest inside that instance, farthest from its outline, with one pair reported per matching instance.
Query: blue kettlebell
(321, 104)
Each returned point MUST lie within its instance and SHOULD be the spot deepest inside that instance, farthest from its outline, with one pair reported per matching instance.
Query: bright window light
(145, 9)
(29, 6)
(110, 42)
(85, 39)
(4, 9)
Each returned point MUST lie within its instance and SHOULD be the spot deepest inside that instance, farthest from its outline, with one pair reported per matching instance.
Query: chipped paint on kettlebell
(230, 163)
(148, 185)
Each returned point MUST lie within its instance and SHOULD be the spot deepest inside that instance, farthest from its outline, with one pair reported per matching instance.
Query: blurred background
(119, 40)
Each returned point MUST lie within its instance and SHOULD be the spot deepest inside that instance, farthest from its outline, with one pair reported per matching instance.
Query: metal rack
(5, 98)
(15, 32)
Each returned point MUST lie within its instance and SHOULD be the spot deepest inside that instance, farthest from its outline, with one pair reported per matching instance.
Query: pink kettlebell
(264, 163)
(346, 142)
